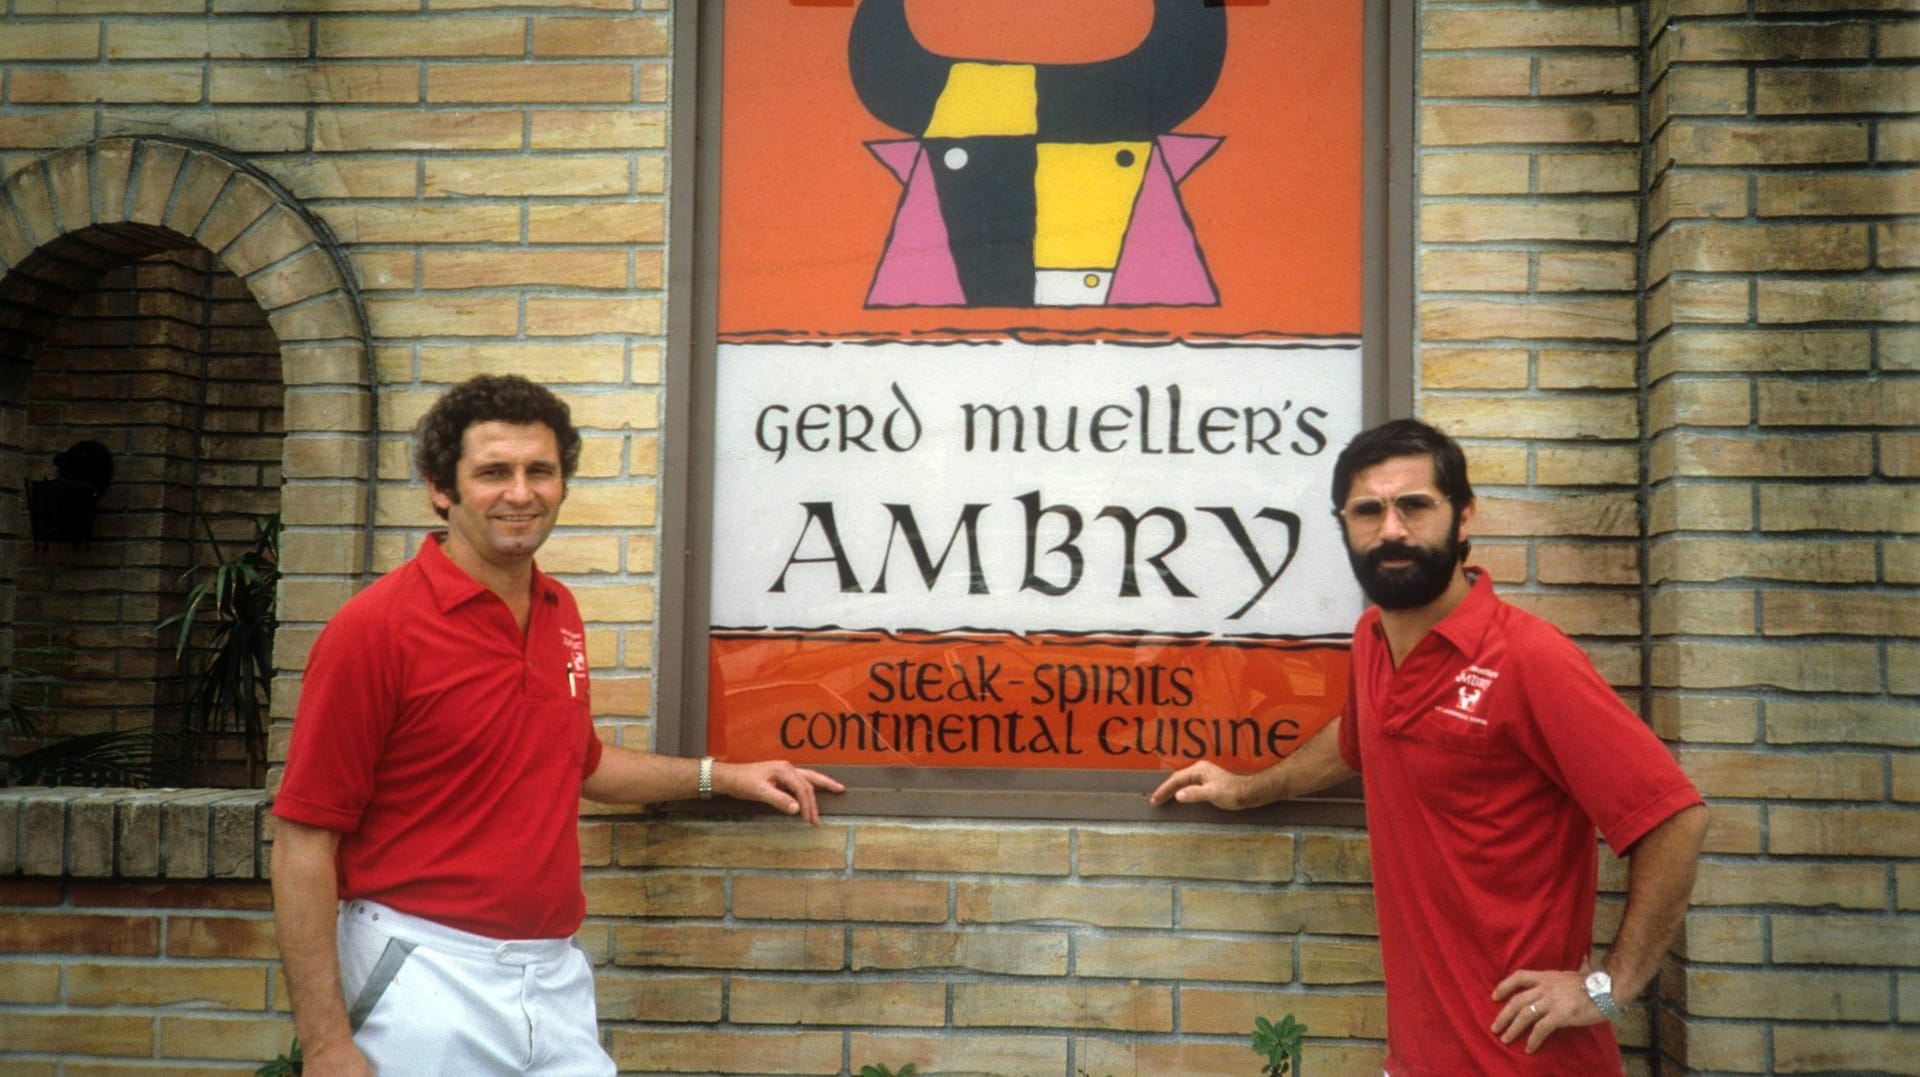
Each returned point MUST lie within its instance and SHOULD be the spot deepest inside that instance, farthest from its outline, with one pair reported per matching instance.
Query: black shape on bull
(897, 79)
(986, 190)
(1147, 92)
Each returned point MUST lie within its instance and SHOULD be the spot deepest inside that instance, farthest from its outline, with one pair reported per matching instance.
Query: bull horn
(896, 77)
(1147, 92)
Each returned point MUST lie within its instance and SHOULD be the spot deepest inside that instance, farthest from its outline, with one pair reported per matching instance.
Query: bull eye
(955, 159)
(1124, 158)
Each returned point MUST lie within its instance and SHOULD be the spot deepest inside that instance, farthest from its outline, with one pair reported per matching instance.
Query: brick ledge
(133, 833)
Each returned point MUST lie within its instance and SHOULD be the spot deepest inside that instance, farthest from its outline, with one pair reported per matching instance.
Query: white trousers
(425, 1000)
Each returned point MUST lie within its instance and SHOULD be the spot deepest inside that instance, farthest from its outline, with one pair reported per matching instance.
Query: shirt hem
(309, 814)
(1624, 834)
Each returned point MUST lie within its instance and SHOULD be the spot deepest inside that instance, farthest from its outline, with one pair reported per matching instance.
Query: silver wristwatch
(1600, 990)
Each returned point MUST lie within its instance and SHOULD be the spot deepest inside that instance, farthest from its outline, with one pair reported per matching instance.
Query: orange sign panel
(915, 699)
(1038, 331)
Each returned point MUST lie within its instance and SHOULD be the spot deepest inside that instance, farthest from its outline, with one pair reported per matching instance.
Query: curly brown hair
(487, 398)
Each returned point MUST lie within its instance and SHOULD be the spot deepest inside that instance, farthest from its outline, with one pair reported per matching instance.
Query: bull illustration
(1031, 185)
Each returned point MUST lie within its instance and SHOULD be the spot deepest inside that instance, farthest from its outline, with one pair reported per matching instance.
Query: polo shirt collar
(451, 585)
(1466, 624)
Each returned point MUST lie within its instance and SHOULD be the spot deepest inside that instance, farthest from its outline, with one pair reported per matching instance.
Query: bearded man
(1490, 751)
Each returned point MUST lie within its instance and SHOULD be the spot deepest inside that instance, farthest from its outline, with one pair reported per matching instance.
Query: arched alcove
(169, 304)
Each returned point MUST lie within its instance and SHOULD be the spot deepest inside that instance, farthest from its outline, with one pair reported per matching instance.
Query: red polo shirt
(1489, 758)
(448, 750)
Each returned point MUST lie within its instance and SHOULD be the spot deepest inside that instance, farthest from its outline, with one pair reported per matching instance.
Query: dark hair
(487, 398)
(1404, 437)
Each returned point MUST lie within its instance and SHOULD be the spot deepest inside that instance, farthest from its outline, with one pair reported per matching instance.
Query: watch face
(1600, 981)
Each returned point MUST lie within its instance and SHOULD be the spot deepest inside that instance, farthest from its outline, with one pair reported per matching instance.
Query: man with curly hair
(426, 861)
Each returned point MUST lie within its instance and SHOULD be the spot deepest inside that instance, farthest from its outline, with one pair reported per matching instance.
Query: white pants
(425, 1000)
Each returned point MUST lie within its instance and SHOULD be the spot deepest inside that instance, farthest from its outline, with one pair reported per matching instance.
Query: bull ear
(897, 79)
(1146, 93)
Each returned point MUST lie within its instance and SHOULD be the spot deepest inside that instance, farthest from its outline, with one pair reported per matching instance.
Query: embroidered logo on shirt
(1473, 683)
(576, 645)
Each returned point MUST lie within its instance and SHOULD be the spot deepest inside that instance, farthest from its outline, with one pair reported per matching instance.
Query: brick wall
(102, 973)
(1664, 262)
(1781, 409)
(1017, 948)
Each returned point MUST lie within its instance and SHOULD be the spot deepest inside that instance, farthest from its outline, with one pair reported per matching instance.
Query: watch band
(706, 778)
(1599, 987)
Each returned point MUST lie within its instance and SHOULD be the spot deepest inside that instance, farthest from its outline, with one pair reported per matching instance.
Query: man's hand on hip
(1538, 1004)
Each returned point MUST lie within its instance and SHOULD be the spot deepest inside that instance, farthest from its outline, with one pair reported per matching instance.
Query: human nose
(1392, 524)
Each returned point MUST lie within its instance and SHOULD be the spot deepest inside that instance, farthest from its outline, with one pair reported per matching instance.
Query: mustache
(1400, 551)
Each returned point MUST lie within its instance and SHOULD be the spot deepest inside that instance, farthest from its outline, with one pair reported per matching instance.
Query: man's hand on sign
(793, 790)
(1203, 783)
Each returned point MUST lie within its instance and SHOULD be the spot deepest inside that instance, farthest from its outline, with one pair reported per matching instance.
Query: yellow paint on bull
(986, 99)
(1083, 199)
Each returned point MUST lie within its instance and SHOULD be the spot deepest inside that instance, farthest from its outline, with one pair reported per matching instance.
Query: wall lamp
(61, 508)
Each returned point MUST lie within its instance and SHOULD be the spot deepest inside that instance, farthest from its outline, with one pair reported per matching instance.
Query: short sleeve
(347, 706)
(1601, 753)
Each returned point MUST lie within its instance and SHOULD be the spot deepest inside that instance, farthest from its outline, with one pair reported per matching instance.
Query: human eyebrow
(1366, 507)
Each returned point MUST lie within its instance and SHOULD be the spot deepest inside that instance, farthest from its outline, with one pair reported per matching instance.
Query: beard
(1411, 586)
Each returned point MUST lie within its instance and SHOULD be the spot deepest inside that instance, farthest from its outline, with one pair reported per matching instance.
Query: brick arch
(84, 209)
(87, 208)
(69, 217)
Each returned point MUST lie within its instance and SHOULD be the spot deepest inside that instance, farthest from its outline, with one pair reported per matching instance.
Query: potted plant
(229, 670)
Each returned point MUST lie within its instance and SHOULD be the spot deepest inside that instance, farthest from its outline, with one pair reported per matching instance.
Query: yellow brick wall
(1665, 294)
(105, 974)
(1781, 407)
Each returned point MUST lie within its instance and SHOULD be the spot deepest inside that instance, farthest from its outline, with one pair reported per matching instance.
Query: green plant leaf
(27, 691)
(286, 1065)
(1280, 1045)
(117, 757)
(229, 669)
